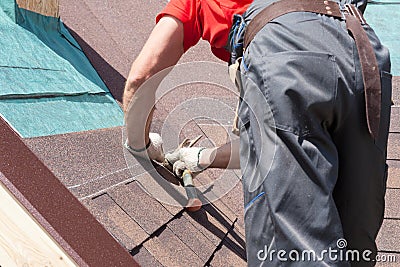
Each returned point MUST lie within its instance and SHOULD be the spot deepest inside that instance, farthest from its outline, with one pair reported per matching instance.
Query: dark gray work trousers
(314, 180)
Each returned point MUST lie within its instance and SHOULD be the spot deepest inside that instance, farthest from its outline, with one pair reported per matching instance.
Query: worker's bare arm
(163, 49)
(224, 157)
(196, 159)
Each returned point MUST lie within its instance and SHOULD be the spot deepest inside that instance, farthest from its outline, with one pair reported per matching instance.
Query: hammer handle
(194, 203)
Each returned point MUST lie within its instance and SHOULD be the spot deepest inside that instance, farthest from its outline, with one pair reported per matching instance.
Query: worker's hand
(186, 158)
(155, 150)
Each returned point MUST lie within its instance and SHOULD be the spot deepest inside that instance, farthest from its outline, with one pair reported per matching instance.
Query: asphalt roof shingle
(184, 228)
(144, 257)
(388, 237)
(171, 251)
(123, 227)
(231, 253)
(392, 199)
(393, 174)
(148, 213)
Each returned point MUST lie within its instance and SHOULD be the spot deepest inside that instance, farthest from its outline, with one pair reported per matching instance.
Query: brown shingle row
(145, 258)
(388, 239)
(393, 150)
(392, 200)
(161, 185)
(169, 250)
(88, 242)
(389, 236)
(394, 174)
(234, 200)
(185, 229)
(395, 120)
(201, 232)
(126, 230)
(141, 207)
(88, 163)
(231, 253)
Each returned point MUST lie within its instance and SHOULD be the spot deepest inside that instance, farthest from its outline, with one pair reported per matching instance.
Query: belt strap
(354, 21)
(283, 7)
(370, 71)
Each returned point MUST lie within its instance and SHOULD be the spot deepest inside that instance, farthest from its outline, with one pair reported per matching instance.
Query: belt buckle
(354, 11)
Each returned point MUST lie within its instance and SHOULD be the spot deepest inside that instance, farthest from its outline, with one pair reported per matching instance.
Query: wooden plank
(23, 242)
(44, 7)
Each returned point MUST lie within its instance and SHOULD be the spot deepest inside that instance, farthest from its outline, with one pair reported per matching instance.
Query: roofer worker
(314, 118)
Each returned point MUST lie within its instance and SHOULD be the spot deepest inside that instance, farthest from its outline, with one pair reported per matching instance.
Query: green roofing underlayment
(47, 85)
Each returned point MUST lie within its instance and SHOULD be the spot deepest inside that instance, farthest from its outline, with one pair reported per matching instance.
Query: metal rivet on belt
(329, 12)
(325, 2)
(328, 8)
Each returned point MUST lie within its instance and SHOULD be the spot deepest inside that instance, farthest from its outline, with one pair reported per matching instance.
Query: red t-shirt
(210, 20)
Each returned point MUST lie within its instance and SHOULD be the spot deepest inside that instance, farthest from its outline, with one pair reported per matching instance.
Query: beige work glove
(154, 151)
(186, 158)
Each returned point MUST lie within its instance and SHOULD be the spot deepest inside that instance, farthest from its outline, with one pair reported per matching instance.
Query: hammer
(194, 203)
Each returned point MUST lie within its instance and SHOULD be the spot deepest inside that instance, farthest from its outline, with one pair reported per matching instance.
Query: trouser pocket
(300, 88)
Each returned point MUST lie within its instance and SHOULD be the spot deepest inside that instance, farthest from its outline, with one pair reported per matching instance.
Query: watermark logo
(341, 243)
(331, 254)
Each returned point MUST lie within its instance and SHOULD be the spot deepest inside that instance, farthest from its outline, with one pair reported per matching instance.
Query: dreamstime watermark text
(331, 254)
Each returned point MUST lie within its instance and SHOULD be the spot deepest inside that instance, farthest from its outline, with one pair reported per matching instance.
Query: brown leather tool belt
(354, 21)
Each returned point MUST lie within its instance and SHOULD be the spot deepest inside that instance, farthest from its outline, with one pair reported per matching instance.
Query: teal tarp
(384, 18)
(57, 115)
(47, 85)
